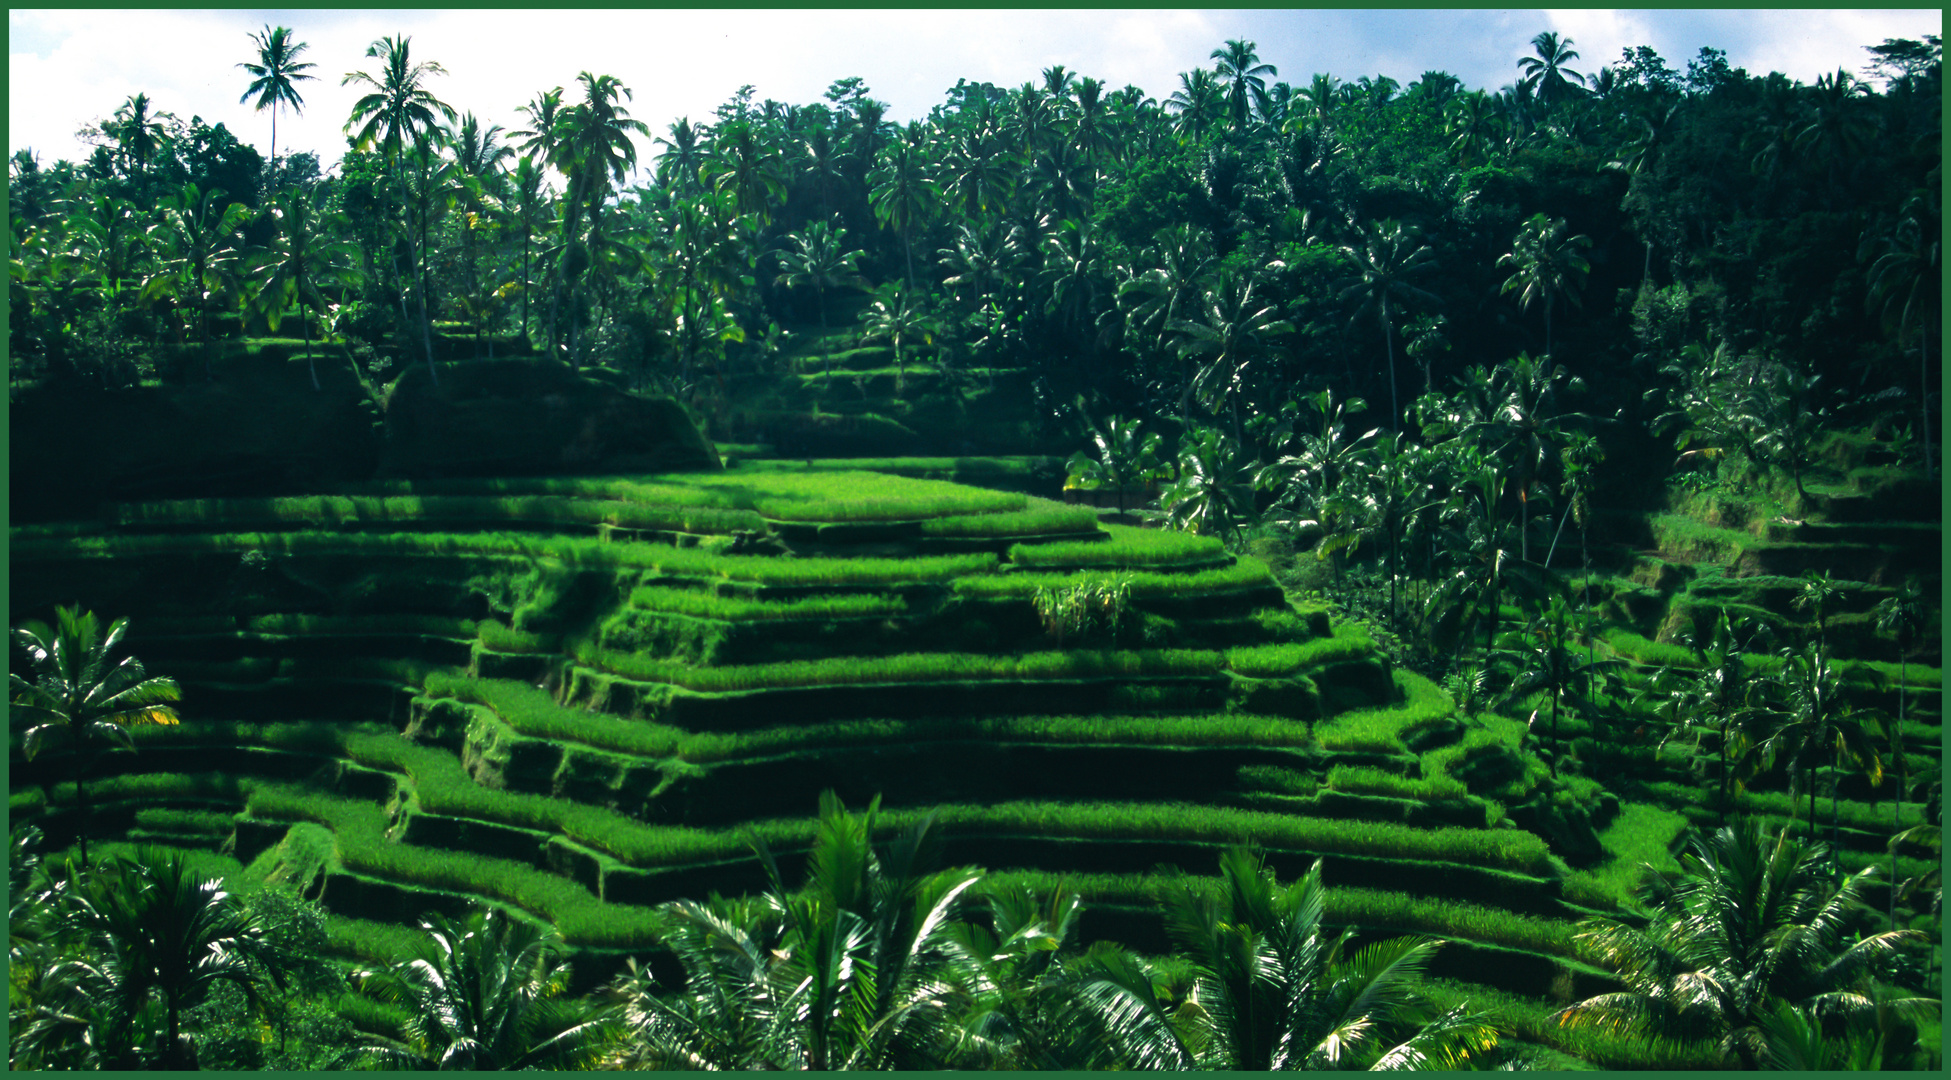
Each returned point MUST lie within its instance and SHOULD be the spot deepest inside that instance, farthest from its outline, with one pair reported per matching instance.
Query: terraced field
(579, 698)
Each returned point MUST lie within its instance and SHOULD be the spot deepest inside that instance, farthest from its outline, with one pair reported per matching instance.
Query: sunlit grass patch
(1128, 546)
(1247, 572)
(707, 605)
(1381, 730)
(905, 668)
(1040, 518)
(1639, 841)
(533, 712)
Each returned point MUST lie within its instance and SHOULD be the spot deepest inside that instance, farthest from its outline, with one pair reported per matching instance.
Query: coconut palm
(80, 696)
(848, 972)
(1755, 920)
(903, 191)
(277, 68)
(1387, 258)
(818, 257)
(1546, 75)
(1901, 616)
(138, 135)
(303, 255)
(1905, 288)
(1548, 663)
(487, 992)
(1231, 328)
(538, 139)
(893, 316)
(1545, 265)
(1273, 990)
(400, 112)
(1241, 71)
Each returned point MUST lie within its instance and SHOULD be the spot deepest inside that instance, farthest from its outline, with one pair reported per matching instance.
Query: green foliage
(1128, 546)
(532, 712)
(699, 604)
(1368, 780)
(1381, 730)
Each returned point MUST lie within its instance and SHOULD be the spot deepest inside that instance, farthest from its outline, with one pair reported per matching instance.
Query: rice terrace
(1331, 575)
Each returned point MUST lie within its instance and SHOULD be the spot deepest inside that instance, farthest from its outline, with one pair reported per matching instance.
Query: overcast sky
(69, 68)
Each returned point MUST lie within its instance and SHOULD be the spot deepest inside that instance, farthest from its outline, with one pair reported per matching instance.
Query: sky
(68, 68)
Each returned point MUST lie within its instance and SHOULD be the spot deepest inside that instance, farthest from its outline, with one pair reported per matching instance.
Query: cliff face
(259, 428)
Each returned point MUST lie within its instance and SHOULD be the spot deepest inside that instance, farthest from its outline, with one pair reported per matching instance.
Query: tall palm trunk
(1924, 399)
(1388, 345)
(81, 797)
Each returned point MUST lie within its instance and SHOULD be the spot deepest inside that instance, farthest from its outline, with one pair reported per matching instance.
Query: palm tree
(1545, 267)
(488, 992)
(303, 255)
(1124, 456)
(78, 695)
(849, 972)
(1546, 75)
(198, 237)
(817, 257)
(137, 134)
(1522, 422)
(1905, 286)
(1388, 257)
(539, 138)
(1233, 329)
(1754, 921)
(903, 191)
(1549, 664)
(147, 940)
(398, 111)
(894, 316)
(1213, 494)
(277, 68)
(1239, 68)
(1274, 990)
(1902, 616)
(1199, 104)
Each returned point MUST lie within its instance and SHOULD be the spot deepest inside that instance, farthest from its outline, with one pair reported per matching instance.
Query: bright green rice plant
(699, 604)
(1128, 546)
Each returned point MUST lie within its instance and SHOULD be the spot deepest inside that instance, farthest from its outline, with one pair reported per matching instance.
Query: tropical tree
(396, 113)
(1548, 663)
(197, 230)
(903, 191)
(1387, 258)
(487, 992)
(850, 972)
(1905, 287)
(1241, 71)
(1901, 616)
(1233, 328)
(1123, 456)
(80, 696)
(149, 938)
(1545, 265)
(277, 68)
(1273, 990)
(1546, 75)
(1755, 921)
(1213, 494)
(303, 255)
(139, 136)
(818, 257)
(893, 316)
